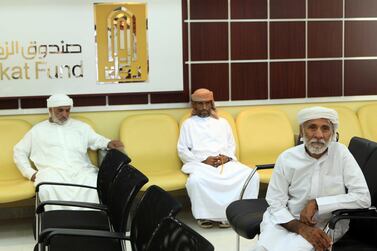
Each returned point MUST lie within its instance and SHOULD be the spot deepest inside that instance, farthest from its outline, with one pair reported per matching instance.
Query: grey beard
(314, 148)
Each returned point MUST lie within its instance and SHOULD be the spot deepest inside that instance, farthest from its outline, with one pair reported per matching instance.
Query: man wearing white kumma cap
(309, 182)
(58, 148)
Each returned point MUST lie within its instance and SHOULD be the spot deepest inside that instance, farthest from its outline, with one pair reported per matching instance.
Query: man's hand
(216, 161)
(115, 144)
(315, 236)
(224, 158)
(319, 239)
(212, 161)
(307, 214)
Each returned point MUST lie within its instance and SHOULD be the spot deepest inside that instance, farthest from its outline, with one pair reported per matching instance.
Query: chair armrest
(41, 206)
(247, 181)
(61, 184)
(46, 235)
(359, 213)
(265, 166)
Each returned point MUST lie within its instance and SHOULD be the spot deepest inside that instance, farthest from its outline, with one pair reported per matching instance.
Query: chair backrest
(151, 141)
(91, 154)
(349, 125)
(370, 174)
(362, 149)
(263, 134)
(122, 192)
(155, 205)
(112, 163)
(368, 121)
(366, 229)
(173, 234)
(229, 118)
(11, 132)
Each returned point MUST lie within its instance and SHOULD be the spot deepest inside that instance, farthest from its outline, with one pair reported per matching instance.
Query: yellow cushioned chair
(263, 134)
(151, 142)
(92, 154)
(228, 117)
(349, 125)
(368, 121)
(13, 186)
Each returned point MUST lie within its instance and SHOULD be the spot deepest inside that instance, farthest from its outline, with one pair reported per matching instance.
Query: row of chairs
(153, 226)
(245, 216)
(261, 134)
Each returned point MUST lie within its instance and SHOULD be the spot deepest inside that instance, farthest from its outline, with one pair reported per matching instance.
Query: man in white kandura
(207, 148)
(309, 182)
(58, 148)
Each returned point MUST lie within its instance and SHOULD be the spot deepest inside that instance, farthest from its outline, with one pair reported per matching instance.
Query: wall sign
(88, 47)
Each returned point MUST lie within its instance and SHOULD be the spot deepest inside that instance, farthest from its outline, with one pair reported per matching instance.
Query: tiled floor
(16, 235)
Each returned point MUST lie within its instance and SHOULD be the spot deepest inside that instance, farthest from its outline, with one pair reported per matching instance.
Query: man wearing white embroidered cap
(309, 182)
(58, 148)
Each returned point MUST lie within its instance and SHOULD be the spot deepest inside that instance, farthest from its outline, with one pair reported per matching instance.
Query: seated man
(58, 148)
(309, 182)
(207, 148)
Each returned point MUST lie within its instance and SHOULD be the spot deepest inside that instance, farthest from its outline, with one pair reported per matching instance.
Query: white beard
(55, 120)
(315, 146)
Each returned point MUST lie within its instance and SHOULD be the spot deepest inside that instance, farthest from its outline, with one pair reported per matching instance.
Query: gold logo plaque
(121, 38)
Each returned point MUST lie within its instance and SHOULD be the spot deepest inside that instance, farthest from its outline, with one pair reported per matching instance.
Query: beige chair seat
(151, 142)
(263, 134)
(16, 190)
(172, 180)
(368, 121)
(13, 186)
(349, 125)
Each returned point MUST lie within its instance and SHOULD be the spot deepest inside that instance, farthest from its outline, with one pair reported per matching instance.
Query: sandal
(224, 224)
(205, 223)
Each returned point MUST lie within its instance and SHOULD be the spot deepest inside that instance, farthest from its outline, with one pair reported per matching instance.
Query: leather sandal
(224, 224)
(205, 223)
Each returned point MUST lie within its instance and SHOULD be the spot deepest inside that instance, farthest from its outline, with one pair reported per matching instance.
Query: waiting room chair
(172, 234)
(362, 149)
(109, 183)
(13, 186)
(229, 118)
(263, 134)
(362, 233)
(368, 121)
(155, 205)
(121, 194)
(151, 141)
(245, 215)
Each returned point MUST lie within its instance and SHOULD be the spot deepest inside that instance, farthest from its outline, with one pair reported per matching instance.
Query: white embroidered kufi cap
(57, 100)
(318, 112)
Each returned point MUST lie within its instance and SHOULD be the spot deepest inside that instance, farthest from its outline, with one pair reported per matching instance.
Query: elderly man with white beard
(58, 148)
(309, 182)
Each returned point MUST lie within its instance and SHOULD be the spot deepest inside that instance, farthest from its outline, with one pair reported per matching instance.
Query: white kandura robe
(59, 153)
(210, 191)
(298, 178)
